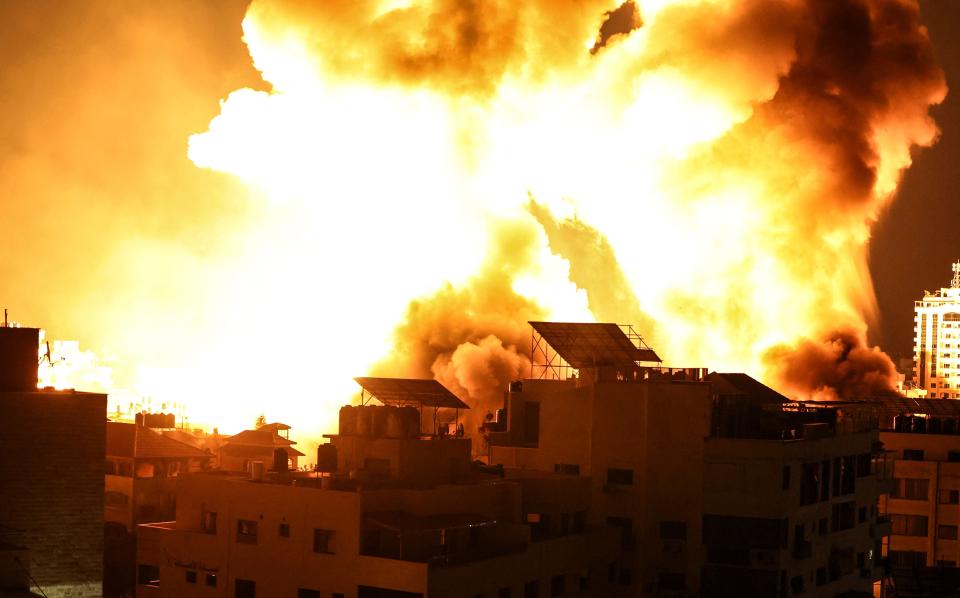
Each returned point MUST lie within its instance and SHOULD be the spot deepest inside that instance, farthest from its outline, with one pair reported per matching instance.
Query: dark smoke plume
(840, 366)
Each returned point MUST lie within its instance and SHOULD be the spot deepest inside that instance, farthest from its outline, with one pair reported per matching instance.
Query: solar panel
(591, 344)
(403, 391)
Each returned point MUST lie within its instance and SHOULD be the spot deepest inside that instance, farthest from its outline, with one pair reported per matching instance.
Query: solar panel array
(404, 391)
(593, 344)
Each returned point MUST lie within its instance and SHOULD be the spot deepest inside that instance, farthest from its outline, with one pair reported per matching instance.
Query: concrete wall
(51, 473)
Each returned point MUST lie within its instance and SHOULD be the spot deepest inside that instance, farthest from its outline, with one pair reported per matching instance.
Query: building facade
(51, 473)
(936, 352)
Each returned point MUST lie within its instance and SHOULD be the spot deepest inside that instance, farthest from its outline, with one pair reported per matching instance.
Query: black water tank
(327, 458)
(19, 351)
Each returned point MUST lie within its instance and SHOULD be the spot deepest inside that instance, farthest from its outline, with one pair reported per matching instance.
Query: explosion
(428, 175)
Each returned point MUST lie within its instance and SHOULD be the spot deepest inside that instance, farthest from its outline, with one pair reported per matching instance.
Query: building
(393, 512)
(923, 438)
(141, 473)
(936, 353)
(262, 444)
(719, 485)
(51, 474)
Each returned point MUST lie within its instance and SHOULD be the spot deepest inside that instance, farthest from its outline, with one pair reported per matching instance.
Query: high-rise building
(936, 341)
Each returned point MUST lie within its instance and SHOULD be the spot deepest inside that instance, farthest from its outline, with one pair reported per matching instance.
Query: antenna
(954, 284)
(6, 322)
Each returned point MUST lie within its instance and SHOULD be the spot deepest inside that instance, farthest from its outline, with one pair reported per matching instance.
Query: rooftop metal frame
(587, 345)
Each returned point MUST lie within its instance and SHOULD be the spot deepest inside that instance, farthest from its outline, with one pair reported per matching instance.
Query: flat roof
(404, 391)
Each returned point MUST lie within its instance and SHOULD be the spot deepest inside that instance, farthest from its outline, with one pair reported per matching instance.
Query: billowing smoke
(840, 366)
(474, 337)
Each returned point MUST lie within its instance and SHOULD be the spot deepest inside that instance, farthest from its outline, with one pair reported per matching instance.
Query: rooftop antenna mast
(954, 284)
(6, 322)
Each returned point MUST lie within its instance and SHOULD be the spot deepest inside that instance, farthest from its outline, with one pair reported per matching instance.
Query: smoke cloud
(838, 367)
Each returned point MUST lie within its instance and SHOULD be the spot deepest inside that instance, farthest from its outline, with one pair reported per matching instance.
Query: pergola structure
(412, 392)
(559, 348)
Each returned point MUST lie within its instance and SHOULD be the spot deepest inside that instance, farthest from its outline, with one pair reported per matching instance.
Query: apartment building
(719, 485)
(936, 352)
(392, 511)
(923, 437)
(51, 476)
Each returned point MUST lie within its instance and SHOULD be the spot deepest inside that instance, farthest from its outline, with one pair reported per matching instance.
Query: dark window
(612, 573)
(626, 530)
(947, 532)
(531, 422)
(672, 582)
(949, 497)
(558, 585)
(796, 584)
(620, 476)
(191, 576)
(911, 488)
(809, 483)
(913, 454)
(848, 476)
(863, 465)
(531, 589)
(786, 477)
(579, 521)
(624, 578)
(567, 468)
(211, 580)
(673, 530)
(825, 480)
(503, 593)
(246, 531)
(861, 514)
(908, 558)
(244, 588)
(909, 525)
(284, 530)
(585, 580)
(208, 522)
(821, 576)
(842, 516)
(953, 456)
(337, 595)
(148, 575)
(823, 526)
(305, 593)
(323, 540)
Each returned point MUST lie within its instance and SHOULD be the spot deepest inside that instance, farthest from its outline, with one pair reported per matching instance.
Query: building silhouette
(51, 478)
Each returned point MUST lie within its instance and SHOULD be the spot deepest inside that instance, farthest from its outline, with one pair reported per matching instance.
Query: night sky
(172, 64)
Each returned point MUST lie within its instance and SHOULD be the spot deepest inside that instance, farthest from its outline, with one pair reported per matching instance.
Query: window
(796, 584)
(246, 531)
(212, 580)
(337, 595)
(323, 540)
(612, 573)
(624, 578)
(672, 582)
(809, 483)
(913, 454)
(908, 558)
(208, 522)
(620, 476)
(531, 589)
(191, 576)
(823, 526)
(953, 456)
(626, 530)
(305, 593)
(947, 532)
(842, 516)
(567, 468)
(786, 477)
(148, 575)
(503, 593)
(949, 497)
(284, 530)
(821, 576)
(245, 588)
(673, 530)
(558, 585)
(863, 465)
(909, 525)
(861, 514)
(911, 488)
(585, 580)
